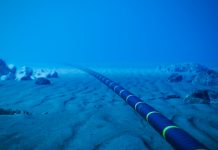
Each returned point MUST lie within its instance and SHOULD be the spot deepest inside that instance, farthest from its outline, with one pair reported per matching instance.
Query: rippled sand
(78, 112)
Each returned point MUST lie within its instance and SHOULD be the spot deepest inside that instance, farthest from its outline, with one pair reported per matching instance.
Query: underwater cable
(178, 138)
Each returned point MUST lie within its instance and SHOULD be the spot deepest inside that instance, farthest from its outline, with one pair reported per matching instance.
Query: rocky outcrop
(9, 72)
(192, 73)
(198, 97)
(209, 77)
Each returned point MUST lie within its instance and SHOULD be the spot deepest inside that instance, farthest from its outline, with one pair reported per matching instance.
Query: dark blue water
(115, 31)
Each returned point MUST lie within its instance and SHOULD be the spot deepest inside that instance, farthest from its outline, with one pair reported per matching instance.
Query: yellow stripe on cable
(152, 112)
(166, 129)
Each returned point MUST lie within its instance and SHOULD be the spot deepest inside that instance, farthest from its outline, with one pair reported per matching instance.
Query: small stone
(198, 97)
(53, 74)
(42, 81)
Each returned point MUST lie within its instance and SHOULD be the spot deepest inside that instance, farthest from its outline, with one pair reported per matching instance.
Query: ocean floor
(78, 112)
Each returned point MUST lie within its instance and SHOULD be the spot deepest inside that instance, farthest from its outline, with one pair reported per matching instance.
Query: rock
(25, 74)
(53, 74)
(7, 72)
(42, 81)
(10, 72)
(198, 97)
(4, 78)
(28, 71)
(9, 76)
(12, 68)
(4, 70)
(12, 112)
(175, 77)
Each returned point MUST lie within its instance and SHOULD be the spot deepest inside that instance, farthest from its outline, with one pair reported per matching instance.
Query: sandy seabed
(78, 112)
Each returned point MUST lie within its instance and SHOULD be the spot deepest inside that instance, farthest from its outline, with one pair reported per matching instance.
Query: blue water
(124, 40)
(115, 31)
